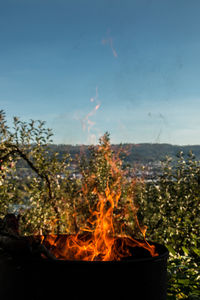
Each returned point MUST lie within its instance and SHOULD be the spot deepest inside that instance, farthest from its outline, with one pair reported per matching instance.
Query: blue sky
(130, 67)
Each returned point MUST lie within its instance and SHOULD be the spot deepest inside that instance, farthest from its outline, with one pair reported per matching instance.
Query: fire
(98, 239)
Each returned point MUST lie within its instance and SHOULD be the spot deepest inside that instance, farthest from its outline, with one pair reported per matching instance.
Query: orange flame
(98, 239)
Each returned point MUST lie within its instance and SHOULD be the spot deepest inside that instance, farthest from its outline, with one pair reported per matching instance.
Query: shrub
(57, 203)
(170, 207)
(24, 148)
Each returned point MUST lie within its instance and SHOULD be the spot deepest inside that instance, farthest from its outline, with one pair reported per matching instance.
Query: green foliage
(170, 207)
(41, 189)
(56, 203)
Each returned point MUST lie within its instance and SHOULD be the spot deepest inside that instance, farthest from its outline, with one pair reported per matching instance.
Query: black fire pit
(139, 276)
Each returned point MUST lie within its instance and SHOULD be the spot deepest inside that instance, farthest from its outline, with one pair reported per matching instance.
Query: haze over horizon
(129, 67)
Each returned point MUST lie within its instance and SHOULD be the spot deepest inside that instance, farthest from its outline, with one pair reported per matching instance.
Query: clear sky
(129, 67)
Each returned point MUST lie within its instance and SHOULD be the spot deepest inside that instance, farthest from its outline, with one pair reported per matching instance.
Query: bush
(170, 207)
(46, 198)
(56, 203)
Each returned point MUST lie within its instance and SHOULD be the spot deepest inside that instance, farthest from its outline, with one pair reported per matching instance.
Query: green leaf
(171, 250)
(197, 251)
(185, 250)
(184, 281)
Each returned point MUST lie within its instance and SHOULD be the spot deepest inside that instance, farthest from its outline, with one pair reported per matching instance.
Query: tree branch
(31, 165)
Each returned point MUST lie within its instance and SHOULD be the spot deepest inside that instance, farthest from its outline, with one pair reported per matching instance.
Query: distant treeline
(130, 153)
(141, 153)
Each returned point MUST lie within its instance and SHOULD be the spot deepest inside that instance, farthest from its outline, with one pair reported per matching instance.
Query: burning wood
(98, 240)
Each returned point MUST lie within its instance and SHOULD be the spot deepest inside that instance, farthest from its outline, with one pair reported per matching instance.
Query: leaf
(184, 281)
(197, 251)
(171, 250)
(185, 250)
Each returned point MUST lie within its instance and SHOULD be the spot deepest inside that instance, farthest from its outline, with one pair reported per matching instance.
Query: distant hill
(141, 153)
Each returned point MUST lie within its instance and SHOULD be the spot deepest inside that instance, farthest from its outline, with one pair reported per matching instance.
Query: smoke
(87, 123)
(109, 41)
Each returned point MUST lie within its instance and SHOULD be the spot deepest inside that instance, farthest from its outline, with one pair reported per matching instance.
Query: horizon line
(128, 143)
